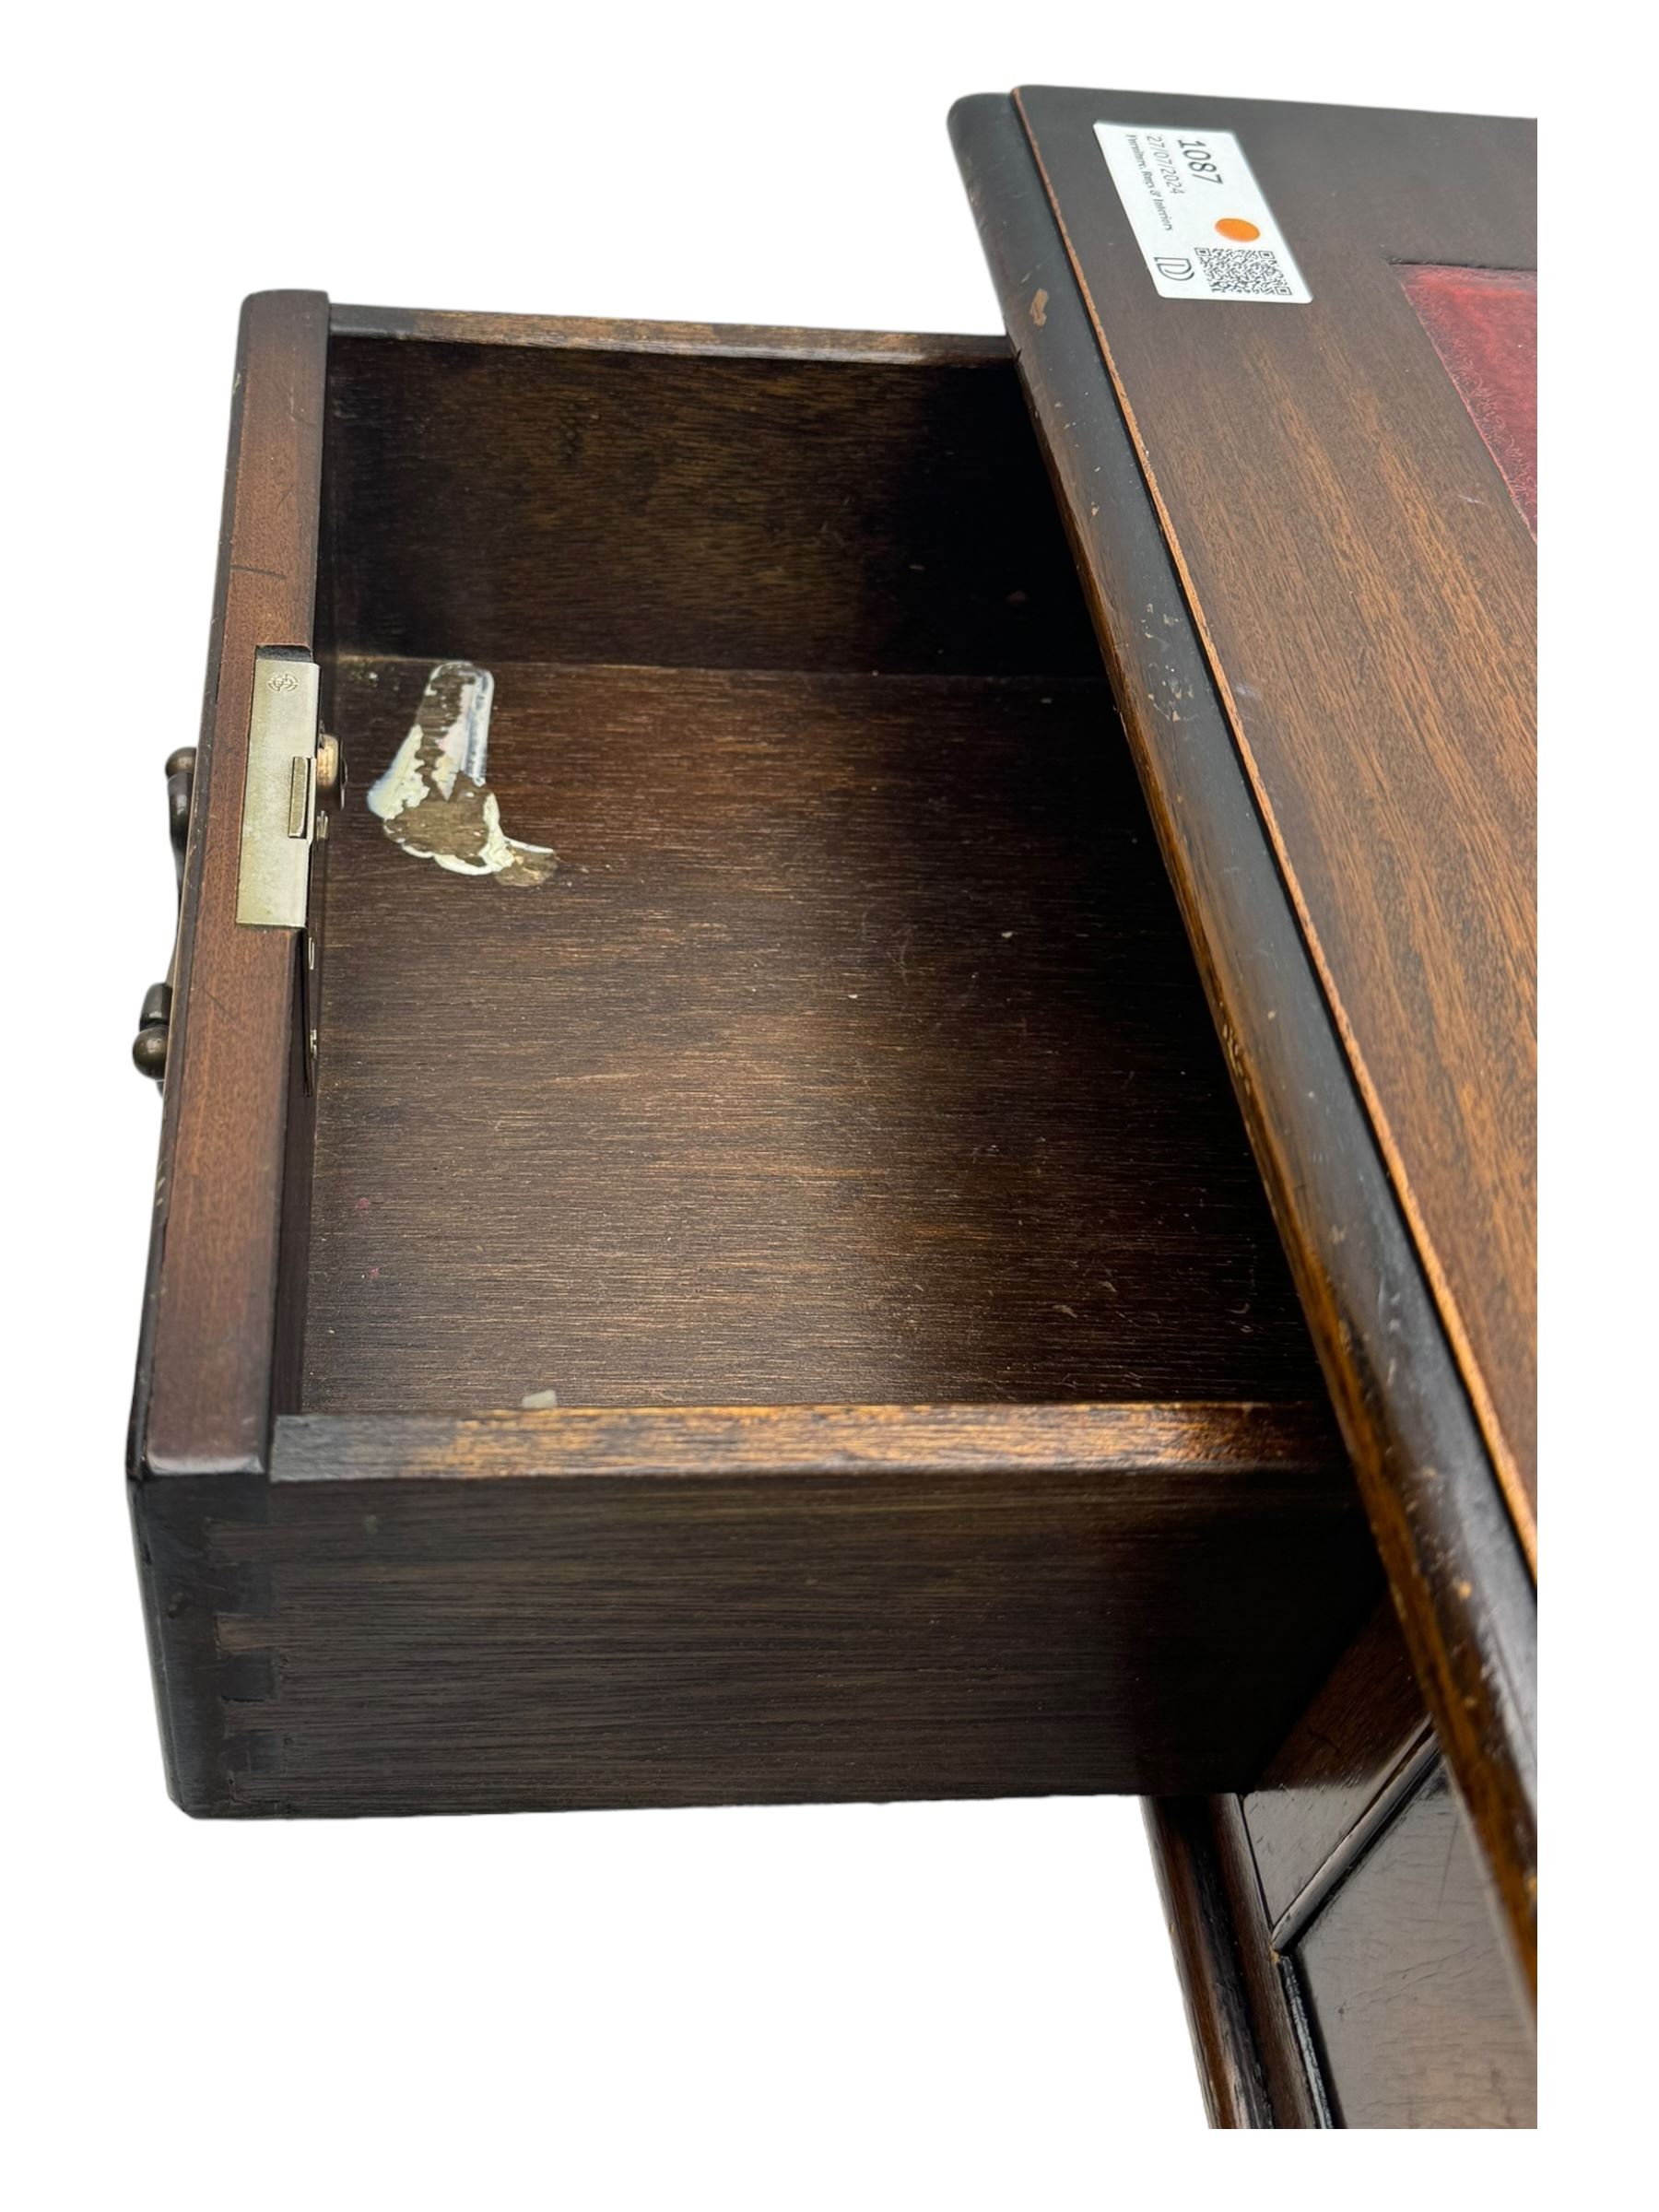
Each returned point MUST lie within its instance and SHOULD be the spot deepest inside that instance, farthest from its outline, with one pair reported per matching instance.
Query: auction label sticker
(1204, 229)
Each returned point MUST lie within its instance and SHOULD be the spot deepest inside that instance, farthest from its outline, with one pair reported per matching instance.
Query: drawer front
(221, 1327)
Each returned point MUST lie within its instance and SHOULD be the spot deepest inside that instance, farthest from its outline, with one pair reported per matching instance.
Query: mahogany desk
(1307, 533)
(879, 1142)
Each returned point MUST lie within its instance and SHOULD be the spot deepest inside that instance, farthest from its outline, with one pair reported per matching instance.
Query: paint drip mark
(433, 799)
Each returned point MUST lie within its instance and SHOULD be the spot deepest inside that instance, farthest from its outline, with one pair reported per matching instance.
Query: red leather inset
(1484, 323)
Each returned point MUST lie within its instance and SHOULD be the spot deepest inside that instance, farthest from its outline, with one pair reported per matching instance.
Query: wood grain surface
(1460, 1577)
(1365, 588)
(778, 345)
(578, 1442)
(208, 1347)
(1346, 1759)
(853, 1052)
(563, 499)
(943, 1619)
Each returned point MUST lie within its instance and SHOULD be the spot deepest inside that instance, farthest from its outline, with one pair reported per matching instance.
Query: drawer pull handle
(149, 1046)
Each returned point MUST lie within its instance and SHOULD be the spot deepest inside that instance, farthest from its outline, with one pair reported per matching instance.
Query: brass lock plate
(279, 798)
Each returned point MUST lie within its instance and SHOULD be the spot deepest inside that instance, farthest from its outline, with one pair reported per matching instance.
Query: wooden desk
(1310, 557)
(862, 1272)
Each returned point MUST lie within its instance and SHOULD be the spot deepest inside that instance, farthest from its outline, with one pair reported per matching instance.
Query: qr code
(1248, 270)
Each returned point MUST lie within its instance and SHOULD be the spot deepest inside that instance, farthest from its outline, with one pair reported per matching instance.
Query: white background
(956, 2006)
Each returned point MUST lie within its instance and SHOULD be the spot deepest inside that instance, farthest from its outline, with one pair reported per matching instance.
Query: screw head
(331, 766)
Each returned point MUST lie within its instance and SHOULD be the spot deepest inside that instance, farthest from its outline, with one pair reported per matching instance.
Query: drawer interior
(782, 1308)
(854, 1050)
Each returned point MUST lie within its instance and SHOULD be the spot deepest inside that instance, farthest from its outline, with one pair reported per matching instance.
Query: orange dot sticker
(1235, 225)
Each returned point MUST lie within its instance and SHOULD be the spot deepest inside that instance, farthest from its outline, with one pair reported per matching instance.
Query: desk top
(1281, 360)
(1364, 582)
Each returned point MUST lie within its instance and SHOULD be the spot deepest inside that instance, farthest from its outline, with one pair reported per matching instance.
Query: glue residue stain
(433, 799)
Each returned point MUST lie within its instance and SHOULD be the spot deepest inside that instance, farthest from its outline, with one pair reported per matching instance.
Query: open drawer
(776, 1302)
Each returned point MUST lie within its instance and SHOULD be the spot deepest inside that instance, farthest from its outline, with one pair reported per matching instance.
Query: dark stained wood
(1335, 1932)
(778, 1439)
(1199, 1919)
(209, 1344)
(722, 1633)
(1396, 2007)
(1346, 1757)
(1416, 2015)
(562, 501)
(853, 1053)
(1364, 587)
(776, 344)
(1459, 1576)
(792, 665)
(1278, 2022)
